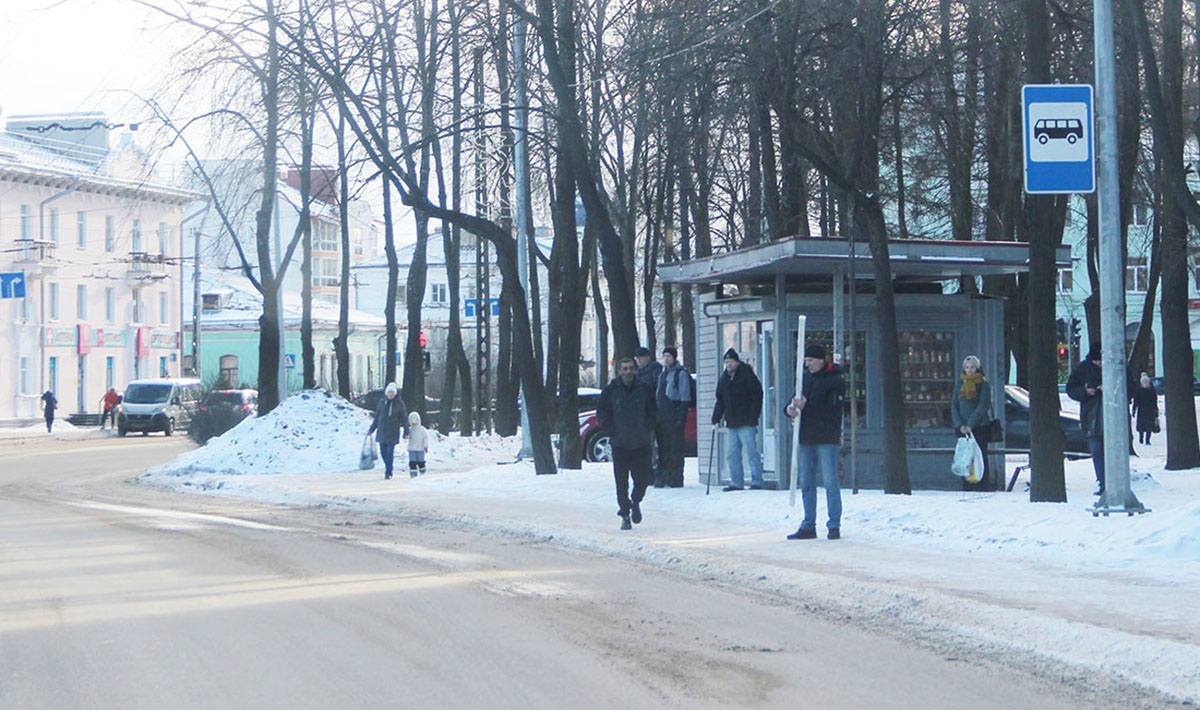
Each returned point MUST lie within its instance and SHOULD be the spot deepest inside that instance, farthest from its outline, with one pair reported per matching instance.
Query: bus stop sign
(1060, 151)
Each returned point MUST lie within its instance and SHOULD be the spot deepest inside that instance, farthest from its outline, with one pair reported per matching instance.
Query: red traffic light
(422, 339)
(1062, 352)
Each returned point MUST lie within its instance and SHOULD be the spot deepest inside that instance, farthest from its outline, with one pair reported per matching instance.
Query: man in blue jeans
(739, 402)
(819, 406)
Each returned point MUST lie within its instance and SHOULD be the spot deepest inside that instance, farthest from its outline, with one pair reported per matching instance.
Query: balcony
(144, 265)
(35, 257)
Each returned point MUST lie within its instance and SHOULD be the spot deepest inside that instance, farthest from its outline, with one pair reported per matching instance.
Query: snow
(1039, 584)
(62, 430)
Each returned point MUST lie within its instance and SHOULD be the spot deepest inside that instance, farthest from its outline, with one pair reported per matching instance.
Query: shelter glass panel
(928, 368)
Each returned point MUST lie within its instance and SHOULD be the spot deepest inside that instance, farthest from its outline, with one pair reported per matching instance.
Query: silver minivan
(158, 405)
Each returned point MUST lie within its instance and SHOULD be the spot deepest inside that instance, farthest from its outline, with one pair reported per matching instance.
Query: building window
(163, 308)
(54, 224)
(1137, 274)
(328, 272)
(137, 307)
(1141, 215)
(110, 305)
(137, 235)
(81, 229)
(109, 369)
(81, 301)
(1066, 280)
(24, 375)
(210, 302)
(26, 222)
(53, 301)
(164, 233)
(162, 367)
(229, 371)
(53, 376)
(439, 294)
(325, 237)
(110, 232)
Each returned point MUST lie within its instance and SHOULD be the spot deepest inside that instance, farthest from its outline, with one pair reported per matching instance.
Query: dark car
(1016, 429)
(242, 403)
(369, 401)
(1157, 383)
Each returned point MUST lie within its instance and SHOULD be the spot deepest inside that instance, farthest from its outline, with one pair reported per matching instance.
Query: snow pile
(309, 432)
(315, 431)
(63, 429)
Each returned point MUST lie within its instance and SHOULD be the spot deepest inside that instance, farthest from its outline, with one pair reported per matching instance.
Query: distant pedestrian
(109, 407)
(971, 412)
(820, 407)
(418, 445)
(739, 403)
(674, 401)
(49, 404)
(628, 412)
(1083, 386)
(1145, 410)
(390, 417)
(649, 373)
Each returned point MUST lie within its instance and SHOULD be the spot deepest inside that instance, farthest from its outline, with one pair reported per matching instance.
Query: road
(120, 596)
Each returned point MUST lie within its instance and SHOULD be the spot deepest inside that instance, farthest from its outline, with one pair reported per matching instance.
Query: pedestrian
(110, 402)
(628, 412)
(674, 401)
(739, 402)
(971, 413)
(418, 445)
(1145, 410)
(649, 373)
(390, 417)
(1083, 386)
(49, 404)
(820, 407)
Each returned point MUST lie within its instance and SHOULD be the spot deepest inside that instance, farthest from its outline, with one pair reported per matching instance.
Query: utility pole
(521, 157)
(483, 301)
(1117, 498)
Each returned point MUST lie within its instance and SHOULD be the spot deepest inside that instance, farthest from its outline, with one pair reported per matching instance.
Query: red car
(597, 445)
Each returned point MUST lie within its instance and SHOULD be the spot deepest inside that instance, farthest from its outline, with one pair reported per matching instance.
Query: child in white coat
(418, 445)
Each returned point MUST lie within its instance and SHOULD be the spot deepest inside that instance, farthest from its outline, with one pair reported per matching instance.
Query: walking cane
(712, 447)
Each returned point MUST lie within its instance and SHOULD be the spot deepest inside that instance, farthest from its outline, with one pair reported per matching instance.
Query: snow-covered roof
(241, 305)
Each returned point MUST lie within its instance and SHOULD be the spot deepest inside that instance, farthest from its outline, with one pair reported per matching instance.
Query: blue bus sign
(1060, 148)
(12, 284)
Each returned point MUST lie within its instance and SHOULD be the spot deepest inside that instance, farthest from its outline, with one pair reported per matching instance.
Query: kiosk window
(929, 371)
(825, 338)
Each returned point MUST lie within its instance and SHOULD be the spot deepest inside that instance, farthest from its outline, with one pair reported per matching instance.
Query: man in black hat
(820, 407)
(1083, 386)
(739, 402)
(628, 412)
(649, 372)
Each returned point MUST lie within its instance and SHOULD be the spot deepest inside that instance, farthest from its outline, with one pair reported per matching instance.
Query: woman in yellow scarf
(971, 412)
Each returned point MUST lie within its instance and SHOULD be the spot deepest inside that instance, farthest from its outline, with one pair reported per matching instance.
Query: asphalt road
(119, 596)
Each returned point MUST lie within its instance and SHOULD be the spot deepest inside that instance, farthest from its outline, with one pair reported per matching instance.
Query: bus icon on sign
(1048, 129)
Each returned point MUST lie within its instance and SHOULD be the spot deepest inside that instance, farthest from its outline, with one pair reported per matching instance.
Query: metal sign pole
(796, 421)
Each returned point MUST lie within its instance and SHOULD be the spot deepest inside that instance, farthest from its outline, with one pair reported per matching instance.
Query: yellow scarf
(970, 386)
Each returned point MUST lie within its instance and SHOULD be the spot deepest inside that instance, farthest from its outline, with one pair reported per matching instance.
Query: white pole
(1115, 406)
(796, 421)
(521, 169)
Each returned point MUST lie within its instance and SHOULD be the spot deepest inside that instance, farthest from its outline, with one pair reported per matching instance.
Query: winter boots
(625, 524)
(635, 513)
(803, 534)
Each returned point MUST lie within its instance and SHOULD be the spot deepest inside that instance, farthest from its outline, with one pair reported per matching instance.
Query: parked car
(243, 403)
(158, 405)
(1016, 428)
(1157, 383)
(597, 445)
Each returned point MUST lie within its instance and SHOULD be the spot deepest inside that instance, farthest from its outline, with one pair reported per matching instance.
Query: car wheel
(170, 427)
(598, 448)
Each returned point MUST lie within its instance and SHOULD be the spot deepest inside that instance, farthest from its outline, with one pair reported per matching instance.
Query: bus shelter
(830, 281)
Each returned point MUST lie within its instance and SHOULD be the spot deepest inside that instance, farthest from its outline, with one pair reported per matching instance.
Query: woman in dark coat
(971, 412)
(1145, 410)
(391, 417)
(49, 404)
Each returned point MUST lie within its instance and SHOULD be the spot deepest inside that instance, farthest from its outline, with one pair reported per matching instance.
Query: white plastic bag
(366, 459)
(968, 459)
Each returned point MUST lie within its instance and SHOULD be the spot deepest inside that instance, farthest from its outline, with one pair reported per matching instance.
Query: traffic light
(1060, 330)
(426, 359)
(1062, 351)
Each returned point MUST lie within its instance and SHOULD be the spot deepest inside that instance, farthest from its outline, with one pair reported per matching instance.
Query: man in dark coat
(649, 373)
(739, 402)
(391, 416)
(1083, 386)
(49, 404)
(628, 412)
(674, 402)
(819, 406)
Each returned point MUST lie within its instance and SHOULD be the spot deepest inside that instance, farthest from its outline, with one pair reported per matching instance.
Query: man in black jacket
(628, 412)
(819, 406)
(1083, 386)
(649, 373)
(739, 402)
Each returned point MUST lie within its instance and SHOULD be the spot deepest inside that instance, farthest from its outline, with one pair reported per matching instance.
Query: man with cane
(819, 406)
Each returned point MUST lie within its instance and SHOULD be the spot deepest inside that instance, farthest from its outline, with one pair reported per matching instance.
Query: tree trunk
(269, 335)
(341, 344)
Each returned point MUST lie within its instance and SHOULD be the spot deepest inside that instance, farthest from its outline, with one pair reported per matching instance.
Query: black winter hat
(671, 351)
(731, 354)
(815, 351)
(641, 352)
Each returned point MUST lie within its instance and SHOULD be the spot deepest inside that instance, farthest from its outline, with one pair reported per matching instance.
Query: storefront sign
(84, 338)
(110, 338)
(61, 337)
(163, 339)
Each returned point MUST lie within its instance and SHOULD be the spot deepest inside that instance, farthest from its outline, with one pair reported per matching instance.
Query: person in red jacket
(111, 400)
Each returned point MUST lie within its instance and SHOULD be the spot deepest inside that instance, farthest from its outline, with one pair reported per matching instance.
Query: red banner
(85, 338)
(143, 342)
